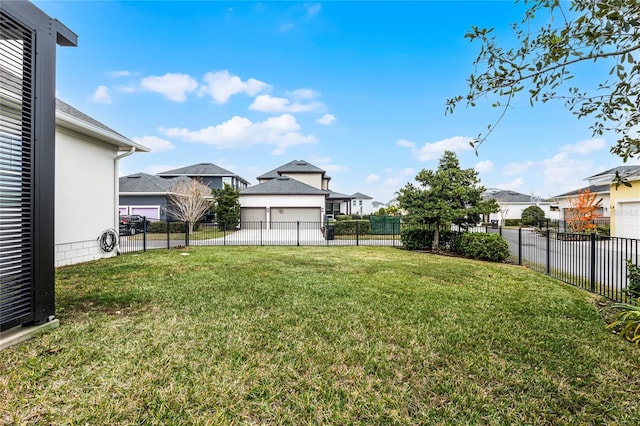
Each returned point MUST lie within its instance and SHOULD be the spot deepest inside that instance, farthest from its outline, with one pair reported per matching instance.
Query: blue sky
(356, 88)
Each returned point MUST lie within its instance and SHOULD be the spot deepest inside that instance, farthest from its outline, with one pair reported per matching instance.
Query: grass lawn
(301, 335)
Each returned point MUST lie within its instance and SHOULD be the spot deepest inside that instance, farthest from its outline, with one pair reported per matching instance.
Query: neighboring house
(513, 203)
(362, 204)
(624, 204)
(295, 191)
(146, 195)
(86, 183)
(377, 205)
(211, 175)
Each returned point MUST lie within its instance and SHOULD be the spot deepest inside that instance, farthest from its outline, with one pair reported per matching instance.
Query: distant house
(146, 195)
(295, 191)
(513, 203)
(362, 204)
(86, 183)
(211, 175)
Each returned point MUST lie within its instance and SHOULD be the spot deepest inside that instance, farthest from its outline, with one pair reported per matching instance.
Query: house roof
(201, 169)
(361, 196)
(74, 119)
(506, 196)
(283, 185)
(608, 174)
(295, 166)
(338, 196)
(143, 182)
(598, 189)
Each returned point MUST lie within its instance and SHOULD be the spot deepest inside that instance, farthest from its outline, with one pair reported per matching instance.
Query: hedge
(348, 227)
(419, 238)
(491, 247)
(160, 226)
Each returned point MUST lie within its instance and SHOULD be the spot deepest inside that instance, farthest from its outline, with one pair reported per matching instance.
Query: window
(227, 180)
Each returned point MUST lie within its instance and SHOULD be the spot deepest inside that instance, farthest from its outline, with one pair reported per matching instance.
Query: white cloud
(119, 74)
(155, 143)
(326, 119)
(239, 132)
(433, 150)
(221, 86)
(174, 86)
(268, 103)
(584, 147)
(303, 94)
(517, 168)
(484, 166)
(407, 171)
(333, 168)
(372, 178)
(313, 9)
(405, 143)
(101, 95)
(514, 185)
(562, 171)
(124, 89)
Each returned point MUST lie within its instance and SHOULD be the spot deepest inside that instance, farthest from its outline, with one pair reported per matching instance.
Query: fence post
(520, 246)
(186, 234)
(224, 234)
(260, 232)
(500, 230)
(357, 233)
(548, 251)
(144, 233)
(298, 233)
(593, 262)
(168, 234)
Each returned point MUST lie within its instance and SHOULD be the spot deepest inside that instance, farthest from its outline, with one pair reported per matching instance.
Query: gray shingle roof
(142, 182)
(339, 196)
(622, 170)
(201, 169)
(68, 109)
(282, 185)
(593, 188)
(506, 196)
(295, 166)
(361, 196)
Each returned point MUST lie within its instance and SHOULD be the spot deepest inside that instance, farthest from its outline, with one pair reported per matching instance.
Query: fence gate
(27, 130)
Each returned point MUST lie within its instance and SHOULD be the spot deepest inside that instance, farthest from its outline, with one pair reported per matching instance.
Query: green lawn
(299, 335)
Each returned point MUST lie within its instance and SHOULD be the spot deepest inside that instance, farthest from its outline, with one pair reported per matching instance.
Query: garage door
(628, 220)
(307, 216)
(150, 212)
(252, 216)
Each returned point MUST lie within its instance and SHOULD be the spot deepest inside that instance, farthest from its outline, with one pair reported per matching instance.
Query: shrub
(343, 217)
(633, 275)
(491, 247)
(627, 322)
(420, 238)
(348, 227)
(532, 215)
(512, 222)
(160, 226)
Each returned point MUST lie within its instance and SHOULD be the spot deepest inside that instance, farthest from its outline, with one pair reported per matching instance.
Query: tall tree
(445, 196)
(227, 206)
(546, 57)
(188, 201)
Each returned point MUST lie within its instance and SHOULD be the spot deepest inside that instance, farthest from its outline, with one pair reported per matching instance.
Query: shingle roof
(295, 166)
(282, 185)
(361, 196)
(142, 182)
(593, 188)
(338, 196)
(201, 169)
(507, 196)
(68, 109)
(622, 170)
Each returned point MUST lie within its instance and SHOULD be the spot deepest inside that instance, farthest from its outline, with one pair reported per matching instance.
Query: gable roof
(283, 185)
(361, 196)
(74, 119)
(506, 195)
(201, 169)
(295, 166)
(598, 189)
(338, 196)
(143, 182)
(609, 174)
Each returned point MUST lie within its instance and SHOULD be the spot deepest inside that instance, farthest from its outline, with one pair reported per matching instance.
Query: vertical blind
(16, 172)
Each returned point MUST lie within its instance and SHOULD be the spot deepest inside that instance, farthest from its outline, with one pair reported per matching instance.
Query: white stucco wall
(514, 211)
(362, 209)
(606, 204)
(85, 197)
(283, 201)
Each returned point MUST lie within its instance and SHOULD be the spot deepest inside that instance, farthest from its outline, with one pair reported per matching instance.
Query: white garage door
(309, 216)
(628, 220)
(150, 212)
(252, 216)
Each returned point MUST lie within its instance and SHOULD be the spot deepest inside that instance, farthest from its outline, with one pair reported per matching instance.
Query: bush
(160, 226)
(532, 215)
(491, 247)
(633, 275)
(512, 222)
(348, 227)
(420, 238)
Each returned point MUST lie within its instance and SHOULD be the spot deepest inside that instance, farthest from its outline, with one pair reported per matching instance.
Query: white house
(86, 184)
(362, 204)
(513, 203)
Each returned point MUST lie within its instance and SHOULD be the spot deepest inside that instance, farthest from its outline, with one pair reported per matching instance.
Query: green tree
(447, 195)
(554, 43)
(227, 206)
(532, 215)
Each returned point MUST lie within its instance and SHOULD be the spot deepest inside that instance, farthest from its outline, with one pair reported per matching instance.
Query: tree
(227, 206)
(582, 211)
(532, 215)
(448, 195)
(546, 57)
(188, 201)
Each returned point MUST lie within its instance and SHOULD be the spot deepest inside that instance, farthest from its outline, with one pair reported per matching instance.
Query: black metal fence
(593, 262)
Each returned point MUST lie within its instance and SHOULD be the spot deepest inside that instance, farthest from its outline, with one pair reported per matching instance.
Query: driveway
(266, 237)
